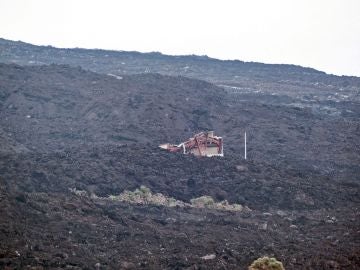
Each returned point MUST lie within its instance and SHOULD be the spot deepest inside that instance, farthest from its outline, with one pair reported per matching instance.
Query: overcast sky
(323, 34)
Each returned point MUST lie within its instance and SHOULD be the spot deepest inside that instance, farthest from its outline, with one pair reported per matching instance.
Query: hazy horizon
(324, 35)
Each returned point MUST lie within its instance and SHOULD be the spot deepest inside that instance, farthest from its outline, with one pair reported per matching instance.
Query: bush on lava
(208, 202)
(266, 263)
(143, 195)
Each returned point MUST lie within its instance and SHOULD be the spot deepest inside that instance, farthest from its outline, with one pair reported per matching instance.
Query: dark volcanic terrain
(77, 126)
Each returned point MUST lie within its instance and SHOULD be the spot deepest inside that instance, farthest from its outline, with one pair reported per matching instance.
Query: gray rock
(241, 168)
(209, 257)
(281, 213)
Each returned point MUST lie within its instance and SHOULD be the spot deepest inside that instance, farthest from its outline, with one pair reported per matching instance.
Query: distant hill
(298, 82)
(130, 62)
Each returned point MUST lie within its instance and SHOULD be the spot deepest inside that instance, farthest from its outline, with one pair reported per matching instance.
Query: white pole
(245, 145)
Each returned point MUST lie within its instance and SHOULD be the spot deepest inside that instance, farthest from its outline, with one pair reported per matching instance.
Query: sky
(322, 34)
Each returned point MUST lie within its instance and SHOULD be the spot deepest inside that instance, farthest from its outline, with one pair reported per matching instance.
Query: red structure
(203, 144)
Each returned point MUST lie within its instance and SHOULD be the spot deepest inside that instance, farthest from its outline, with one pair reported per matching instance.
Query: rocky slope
(66, 128)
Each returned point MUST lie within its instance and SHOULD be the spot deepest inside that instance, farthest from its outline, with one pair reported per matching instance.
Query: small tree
(266, 263)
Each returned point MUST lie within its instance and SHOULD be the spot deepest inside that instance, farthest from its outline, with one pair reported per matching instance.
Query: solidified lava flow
(76, 130)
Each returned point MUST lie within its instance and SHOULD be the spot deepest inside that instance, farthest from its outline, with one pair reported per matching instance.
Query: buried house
(203, 144)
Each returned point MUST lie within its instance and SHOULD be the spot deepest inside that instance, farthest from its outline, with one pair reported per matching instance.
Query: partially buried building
(203, 144)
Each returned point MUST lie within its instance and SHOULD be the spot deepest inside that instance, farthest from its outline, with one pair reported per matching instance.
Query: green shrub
(204, 201)
(172, 202)
(144, 189)
(266, 263)
(237, 207)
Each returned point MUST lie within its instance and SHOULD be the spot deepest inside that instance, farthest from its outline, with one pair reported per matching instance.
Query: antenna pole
(245, 145)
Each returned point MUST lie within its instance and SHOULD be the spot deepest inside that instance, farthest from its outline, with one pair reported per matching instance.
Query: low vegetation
(143, 195)
(266, 263)
(208, 202)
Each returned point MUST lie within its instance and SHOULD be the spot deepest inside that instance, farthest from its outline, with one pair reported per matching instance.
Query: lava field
(79, 120)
